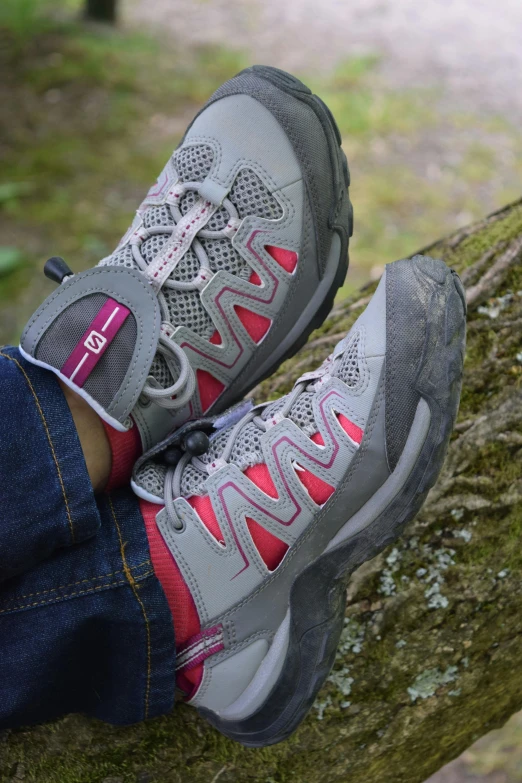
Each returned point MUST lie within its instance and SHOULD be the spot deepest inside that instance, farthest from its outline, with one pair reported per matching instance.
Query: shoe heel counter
(424, 311)
(98, 332)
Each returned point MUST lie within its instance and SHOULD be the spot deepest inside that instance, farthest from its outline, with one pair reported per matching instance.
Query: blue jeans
(84, 624)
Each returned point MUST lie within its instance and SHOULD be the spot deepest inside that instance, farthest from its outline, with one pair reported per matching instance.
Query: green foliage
(10, 259)
(22, 17)
(91, 113)
(400, 202)
(89, 118)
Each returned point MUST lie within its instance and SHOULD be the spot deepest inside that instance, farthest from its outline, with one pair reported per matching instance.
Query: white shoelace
(184, 234)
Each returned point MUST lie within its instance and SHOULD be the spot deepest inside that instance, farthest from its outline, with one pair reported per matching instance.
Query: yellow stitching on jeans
(6, 356)
(74, 584)
(132, 583)
(57, 600)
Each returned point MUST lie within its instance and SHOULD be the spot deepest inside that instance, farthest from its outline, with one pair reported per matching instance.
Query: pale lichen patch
(429, 681)
(320, 705)
(439, 560)
(352, 638)
(342, 681)
(466, 535)
(387, 581)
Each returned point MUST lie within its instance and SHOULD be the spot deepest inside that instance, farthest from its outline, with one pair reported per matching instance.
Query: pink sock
(125, 450)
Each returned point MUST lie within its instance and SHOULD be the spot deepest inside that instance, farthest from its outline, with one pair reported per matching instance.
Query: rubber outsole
(318, 595)
(293, 86)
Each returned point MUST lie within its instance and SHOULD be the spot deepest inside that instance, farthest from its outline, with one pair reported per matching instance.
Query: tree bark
(431, 655)
(101, 10)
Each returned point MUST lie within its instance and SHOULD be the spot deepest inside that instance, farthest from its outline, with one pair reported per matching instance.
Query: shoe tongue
(151, 477)
(192, 164)
(348, 367)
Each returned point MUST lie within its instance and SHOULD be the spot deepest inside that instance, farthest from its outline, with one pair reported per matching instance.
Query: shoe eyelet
(182, 527)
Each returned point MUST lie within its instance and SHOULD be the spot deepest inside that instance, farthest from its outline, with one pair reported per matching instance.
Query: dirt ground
(470, 48)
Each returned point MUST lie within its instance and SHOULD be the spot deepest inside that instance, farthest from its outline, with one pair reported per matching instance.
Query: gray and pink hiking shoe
(233, 258)
(254, 541)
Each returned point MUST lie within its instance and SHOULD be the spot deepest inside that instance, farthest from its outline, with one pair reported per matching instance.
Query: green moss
(497, 233)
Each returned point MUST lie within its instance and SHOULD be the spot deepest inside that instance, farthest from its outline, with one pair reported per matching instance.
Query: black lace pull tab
(172, 456)
(196, 443)
(56, 269)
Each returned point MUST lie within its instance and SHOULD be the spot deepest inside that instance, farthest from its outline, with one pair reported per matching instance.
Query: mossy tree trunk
(101, 10)
(431, 656)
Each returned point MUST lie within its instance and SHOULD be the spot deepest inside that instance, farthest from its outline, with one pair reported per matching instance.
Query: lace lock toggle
(57, 270)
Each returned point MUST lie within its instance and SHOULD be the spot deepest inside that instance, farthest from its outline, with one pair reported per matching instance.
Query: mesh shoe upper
(265, 478)
(219, 275)
(300, 491)
(248, 195)
(247, 450)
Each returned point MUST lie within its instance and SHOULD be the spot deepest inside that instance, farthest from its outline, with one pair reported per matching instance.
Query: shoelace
(308, 382)
(184, 233)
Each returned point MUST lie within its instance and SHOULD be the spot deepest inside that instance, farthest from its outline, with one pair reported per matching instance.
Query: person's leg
(46, 494)
(84, 624)
(93, 439)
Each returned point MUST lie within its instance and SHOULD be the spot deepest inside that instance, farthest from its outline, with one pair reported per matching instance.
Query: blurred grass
(89, 115)
(419, 171)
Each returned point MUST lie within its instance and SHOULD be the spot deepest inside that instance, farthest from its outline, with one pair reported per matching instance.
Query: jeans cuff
(45, 484)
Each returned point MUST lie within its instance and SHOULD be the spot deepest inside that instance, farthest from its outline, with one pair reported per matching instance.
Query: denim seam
(132, 582)
(75, 584)
(56, 600)
(44, 420)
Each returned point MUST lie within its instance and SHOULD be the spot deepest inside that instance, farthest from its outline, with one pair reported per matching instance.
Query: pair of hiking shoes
(257, 515)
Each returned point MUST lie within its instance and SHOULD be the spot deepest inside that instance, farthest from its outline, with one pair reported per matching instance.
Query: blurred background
(427, 97)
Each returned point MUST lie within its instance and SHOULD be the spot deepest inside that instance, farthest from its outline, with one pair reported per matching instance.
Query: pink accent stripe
(285, 439)
(242, 296)
(95, 341)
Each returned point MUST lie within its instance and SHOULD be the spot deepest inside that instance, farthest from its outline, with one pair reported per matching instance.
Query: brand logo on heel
(95, 342)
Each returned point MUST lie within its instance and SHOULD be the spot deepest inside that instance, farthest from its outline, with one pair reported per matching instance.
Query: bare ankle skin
(93, 440)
